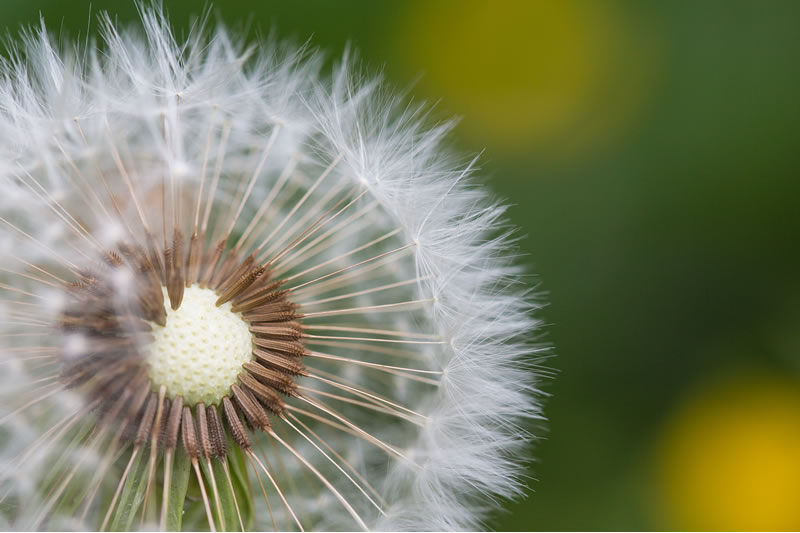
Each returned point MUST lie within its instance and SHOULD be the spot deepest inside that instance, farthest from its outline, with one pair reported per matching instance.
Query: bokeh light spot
(557, 76)
(729, 459)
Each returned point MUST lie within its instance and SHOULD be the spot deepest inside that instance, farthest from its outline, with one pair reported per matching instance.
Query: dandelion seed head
(229, 266)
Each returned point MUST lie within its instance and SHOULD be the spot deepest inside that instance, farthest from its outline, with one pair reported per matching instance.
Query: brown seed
(262, 285)
(280, 362)
(193, 261)
(292, 348)
(277, 380)
(292, 330)
(265, 394)
(238, 432)
(162, 423)
(173, 423)
(237, 270)
(283, 311)
(189, 435)
(112, 259)
(175, 278)
(216, 432)
(266, 294)
(202, 430)
(146, 424)
(252, 410)
(245, 281)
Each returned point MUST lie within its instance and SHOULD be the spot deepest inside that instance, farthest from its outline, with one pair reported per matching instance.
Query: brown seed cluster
(112, 325)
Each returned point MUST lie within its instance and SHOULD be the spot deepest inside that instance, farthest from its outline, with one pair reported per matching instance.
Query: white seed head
(372, 346)
(200, 352)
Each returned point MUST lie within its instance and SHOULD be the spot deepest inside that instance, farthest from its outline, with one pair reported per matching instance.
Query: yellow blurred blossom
(555, 77)
(729, 459)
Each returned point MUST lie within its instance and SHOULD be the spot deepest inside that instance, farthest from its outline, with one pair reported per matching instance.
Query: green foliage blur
(651, 153)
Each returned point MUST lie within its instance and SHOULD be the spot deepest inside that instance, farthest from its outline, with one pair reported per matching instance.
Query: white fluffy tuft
(148, 104)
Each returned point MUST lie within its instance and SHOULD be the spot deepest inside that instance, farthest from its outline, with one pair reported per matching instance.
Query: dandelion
(238, 294)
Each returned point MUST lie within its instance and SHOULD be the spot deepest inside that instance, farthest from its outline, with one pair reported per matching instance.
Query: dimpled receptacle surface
(200, 352)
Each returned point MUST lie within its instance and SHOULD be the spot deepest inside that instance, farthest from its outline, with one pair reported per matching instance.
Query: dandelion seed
(236, 294)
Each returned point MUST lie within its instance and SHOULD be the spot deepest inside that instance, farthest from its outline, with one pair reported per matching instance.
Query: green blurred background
(651, 152)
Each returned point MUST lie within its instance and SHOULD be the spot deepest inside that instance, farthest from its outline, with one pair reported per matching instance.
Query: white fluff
(63, 111)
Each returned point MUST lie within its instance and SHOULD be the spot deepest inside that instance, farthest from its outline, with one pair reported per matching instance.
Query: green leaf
(179, 483)
(225, 495)
(194, 516)
(241, 483)
(75, 495)
(132, 495)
